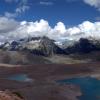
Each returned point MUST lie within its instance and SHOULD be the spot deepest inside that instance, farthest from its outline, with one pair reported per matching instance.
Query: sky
(70, 12)
(57, 19)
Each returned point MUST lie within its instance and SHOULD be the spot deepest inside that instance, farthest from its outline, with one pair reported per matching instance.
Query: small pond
(90, 87)
(20, 78)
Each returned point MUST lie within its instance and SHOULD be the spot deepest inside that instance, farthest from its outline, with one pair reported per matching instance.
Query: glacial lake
(20, 78)
(90, 87)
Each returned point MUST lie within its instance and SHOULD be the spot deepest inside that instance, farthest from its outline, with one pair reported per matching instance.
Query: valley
(44, 76)
(49, 49)
(35, 68)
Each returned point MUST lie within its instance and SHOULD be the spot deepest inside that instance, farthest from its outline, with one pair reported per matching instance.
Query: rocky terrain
(7, 95)
(44, 77)
(83, 46)
(45, 62)
(42, 50)
(36, 45)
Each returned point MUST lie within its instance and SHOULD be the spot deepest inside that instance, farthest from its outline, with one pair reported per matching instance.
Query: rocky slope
(35, 50)
(36, 45)
(21, 57)
(83, 46)
(7, 95)
(47, 47)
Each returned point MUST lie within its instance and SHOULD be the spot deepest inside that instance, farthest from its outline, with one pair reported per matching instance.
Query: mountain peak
(36, 45)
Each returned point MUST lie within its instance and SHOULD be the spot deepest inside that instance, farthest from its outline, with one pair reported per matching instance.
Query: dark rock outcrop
(83, 46)
(36, 45)
(7, 95)
(47, 47)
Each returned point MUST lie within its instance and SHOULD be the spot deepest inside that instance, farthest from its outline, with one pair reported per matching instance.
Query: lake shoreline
(45, 76)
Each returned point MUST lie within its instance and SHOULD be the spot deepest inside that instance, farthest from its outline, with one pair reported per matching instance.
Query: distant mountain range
(35, 45)
(47, 47)
(83, 46)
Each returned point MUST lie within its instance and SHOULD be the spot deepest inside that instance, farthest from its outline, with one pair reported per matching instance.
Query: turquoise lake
(90, 87)
(20, 78)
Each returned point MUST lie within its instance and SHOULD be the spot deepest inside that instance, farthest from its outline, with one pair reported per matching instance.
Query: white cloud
(73, 30)
(46, 3)
(86, 29)
(11, 29)
(95, 3)
(10, 15)
(22, 6)
(7, 25)
(10, 1)
(70, 1)
(60, 27)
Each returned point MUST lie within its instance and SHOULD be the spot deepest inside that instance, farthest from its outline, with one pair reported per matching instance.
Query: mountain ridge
(43, 46)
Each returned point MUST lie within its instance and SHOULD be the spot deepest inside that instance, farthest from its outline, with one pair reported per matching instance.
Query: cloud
(10, 15)
(95, 3)
(22, 6)
(60, 27)
(69, 1)
(11, 29)
(46, 3)
(7, 25)
(86, 30)
(10, 1)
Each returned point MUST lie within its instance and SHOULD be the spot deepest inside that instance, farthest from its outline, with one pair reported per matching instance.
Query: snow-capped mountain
(83, 46)
(46, 47)
(36, 45)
